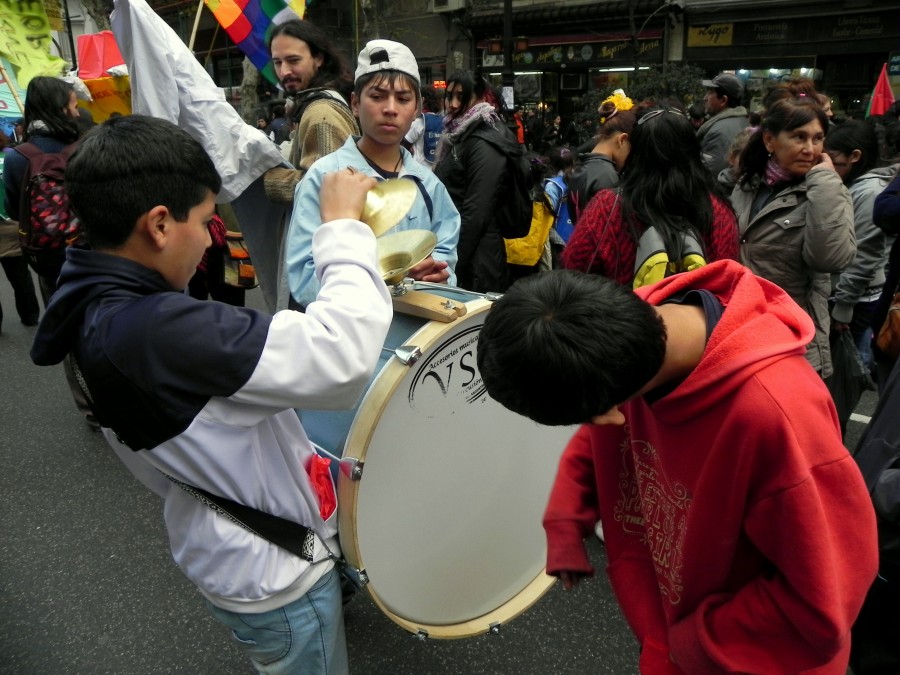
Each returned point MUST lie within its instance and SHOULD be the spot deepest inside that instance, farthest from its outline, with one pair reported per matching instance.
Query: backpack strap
(654, 262)
(427, 197)
(311, 97)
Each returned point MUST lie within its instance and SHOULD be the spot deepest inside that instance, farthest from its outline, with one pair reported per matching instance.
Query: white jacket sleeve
(325, 357)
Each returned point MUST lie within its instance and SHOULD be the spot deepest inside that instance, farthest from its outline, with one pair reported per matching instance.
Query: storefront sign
(819, 29)
(590, 54)
(712, 35)
(894, 64)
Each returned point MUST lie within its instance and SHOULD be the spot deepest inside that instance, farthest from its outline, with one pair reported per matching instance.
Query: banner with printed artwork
(25, 40)
(9, 107)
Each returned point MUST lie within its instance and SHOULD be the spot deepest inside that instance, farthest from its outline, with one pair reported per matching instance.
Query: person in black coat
(471, 162)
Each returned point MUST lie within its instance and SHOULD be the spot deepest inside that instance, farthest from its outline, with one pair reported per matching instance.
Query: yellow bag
(527, 250)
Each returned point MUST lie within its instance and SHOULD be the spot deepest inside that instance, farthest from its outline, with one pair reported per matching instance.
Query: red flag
(882, 95)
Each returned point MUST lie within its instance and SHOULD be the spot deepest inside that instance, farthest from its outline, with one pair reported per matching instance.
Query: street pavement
(87, 584)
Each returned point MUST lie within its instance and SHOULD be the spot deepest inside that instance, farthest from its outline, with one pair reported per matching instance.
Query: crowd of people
(696, 273)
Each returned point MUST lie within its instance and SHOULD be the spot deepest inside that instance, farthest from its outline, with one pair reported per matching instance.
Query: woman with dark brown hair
(795, 214)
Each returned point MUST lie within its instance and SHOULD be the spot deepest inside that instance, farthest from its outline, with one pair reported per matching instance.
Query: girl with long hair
(663, 184)
(471, 162)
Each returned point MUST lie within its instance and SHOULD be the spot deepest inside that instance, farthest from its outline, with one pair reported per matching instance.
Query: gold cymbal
(401, 251)
(387, 203)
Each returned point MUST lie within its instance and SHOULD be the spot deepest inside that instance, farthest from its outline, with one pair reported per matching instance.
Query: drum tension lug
(352, 468)
(408, 354)
(494, 628)
(421, 635)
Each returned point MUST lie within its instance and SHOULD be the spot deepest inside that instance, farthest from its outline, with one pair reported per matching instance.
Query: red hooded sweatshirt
(740, 535)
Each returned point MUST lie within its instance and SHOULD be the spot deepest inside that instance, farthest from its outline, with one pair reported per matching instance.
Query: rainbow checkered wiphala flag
(246, 22)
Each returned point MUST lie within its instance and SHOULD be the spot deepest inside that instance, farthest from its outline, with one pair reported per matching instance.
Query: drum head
(446, 518)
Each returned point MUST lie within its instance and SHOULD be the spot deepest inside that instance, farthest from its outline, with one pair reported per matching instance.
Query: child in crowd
(386, 99)
(197, 398)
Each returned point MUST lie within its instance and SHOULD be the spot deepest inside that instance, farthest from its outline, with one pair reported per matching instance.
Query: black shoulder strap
(427, 197)
(292, 537)
(287, 534)
(304, 101)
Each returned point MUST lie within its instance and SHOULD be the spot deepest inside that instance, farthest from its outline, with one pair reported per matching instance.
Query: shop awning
(544, 16)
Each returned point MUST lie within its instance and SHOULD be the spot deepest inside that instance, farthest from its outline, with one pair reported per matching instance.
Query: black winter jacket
(474, 172)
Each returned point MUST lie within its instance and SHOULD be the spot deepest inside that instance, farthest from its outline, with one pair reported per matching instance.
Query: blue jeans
(306, 636)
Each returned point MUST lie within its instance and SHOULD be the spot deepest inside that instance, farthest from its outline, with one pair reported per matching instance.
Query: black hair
(388, 77)
(697, 110)
(46, 99)
(130, 164)
(855, 135)
(562, 347)
(334, 73)
(466, 81)
(430, 101)
(664, 182)
(784, 114)
(561, 159)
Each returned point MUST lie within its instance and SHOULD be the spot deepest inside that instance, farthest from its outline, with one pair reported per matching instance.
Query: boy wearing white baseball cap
(386, 99)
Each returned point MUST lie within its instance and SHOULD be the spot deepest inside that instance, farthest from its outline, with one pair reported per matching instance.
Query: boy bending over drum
(740, 534)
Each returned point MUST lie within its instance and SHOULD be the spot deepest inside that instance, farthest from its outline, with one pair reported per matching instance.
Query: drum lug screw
(493, 297)
(449, 304)
(408, 354)
(352, 468)
(494, 628)
(421, 635)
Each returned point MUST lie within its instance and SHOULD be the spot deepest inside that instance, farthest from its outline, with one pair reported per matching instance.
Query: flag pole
(12, 89)
(196, 25)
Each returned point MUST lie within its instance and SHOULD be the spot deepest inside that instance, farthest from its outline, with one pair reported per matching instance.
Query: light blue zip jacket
(443, 221)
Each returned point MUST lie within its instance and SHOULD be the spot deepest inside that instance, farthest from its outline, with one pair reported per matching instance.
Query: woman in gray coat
(794, 213)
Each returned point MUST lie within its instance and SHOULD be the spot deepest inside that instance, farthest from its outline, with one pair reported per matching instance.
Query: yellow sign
(54, 14)
(712, 35)
(110, 94)
(25, 40)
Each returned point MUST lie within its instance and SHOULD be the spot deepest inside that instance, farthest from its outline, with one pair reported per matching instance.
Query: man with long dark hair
(317, 79)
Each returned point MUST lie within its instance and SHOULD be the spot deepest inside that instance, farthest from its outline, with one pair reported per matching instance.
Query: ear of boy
(157, 225)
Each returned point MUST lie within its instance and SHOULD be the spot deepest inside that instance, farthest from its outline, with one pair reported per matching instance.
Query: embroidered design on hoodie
(655, 510)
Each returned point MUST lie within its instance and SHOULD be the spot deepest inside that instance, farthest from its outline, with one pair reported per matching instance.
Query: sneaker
(598, 530)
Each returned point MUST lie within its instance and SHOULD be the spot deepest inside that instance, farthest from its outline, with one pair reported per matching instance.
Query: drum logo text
(450, 371)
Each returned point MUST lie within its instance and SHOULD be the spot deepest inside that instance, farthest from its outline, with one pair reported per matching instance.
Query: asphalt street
(87, 584)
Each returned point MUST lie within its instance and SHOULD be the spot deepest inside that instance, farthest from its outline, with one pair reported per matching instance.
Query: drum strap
(292, 537)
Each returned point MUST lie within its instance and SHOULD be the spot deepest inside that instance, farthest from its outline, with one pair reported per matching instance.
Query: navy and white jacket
(206, 392)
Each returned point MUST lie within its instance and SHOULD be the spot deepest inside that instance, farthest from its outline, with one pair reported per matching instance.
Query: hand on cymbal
(343, 194)
(434, 271)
